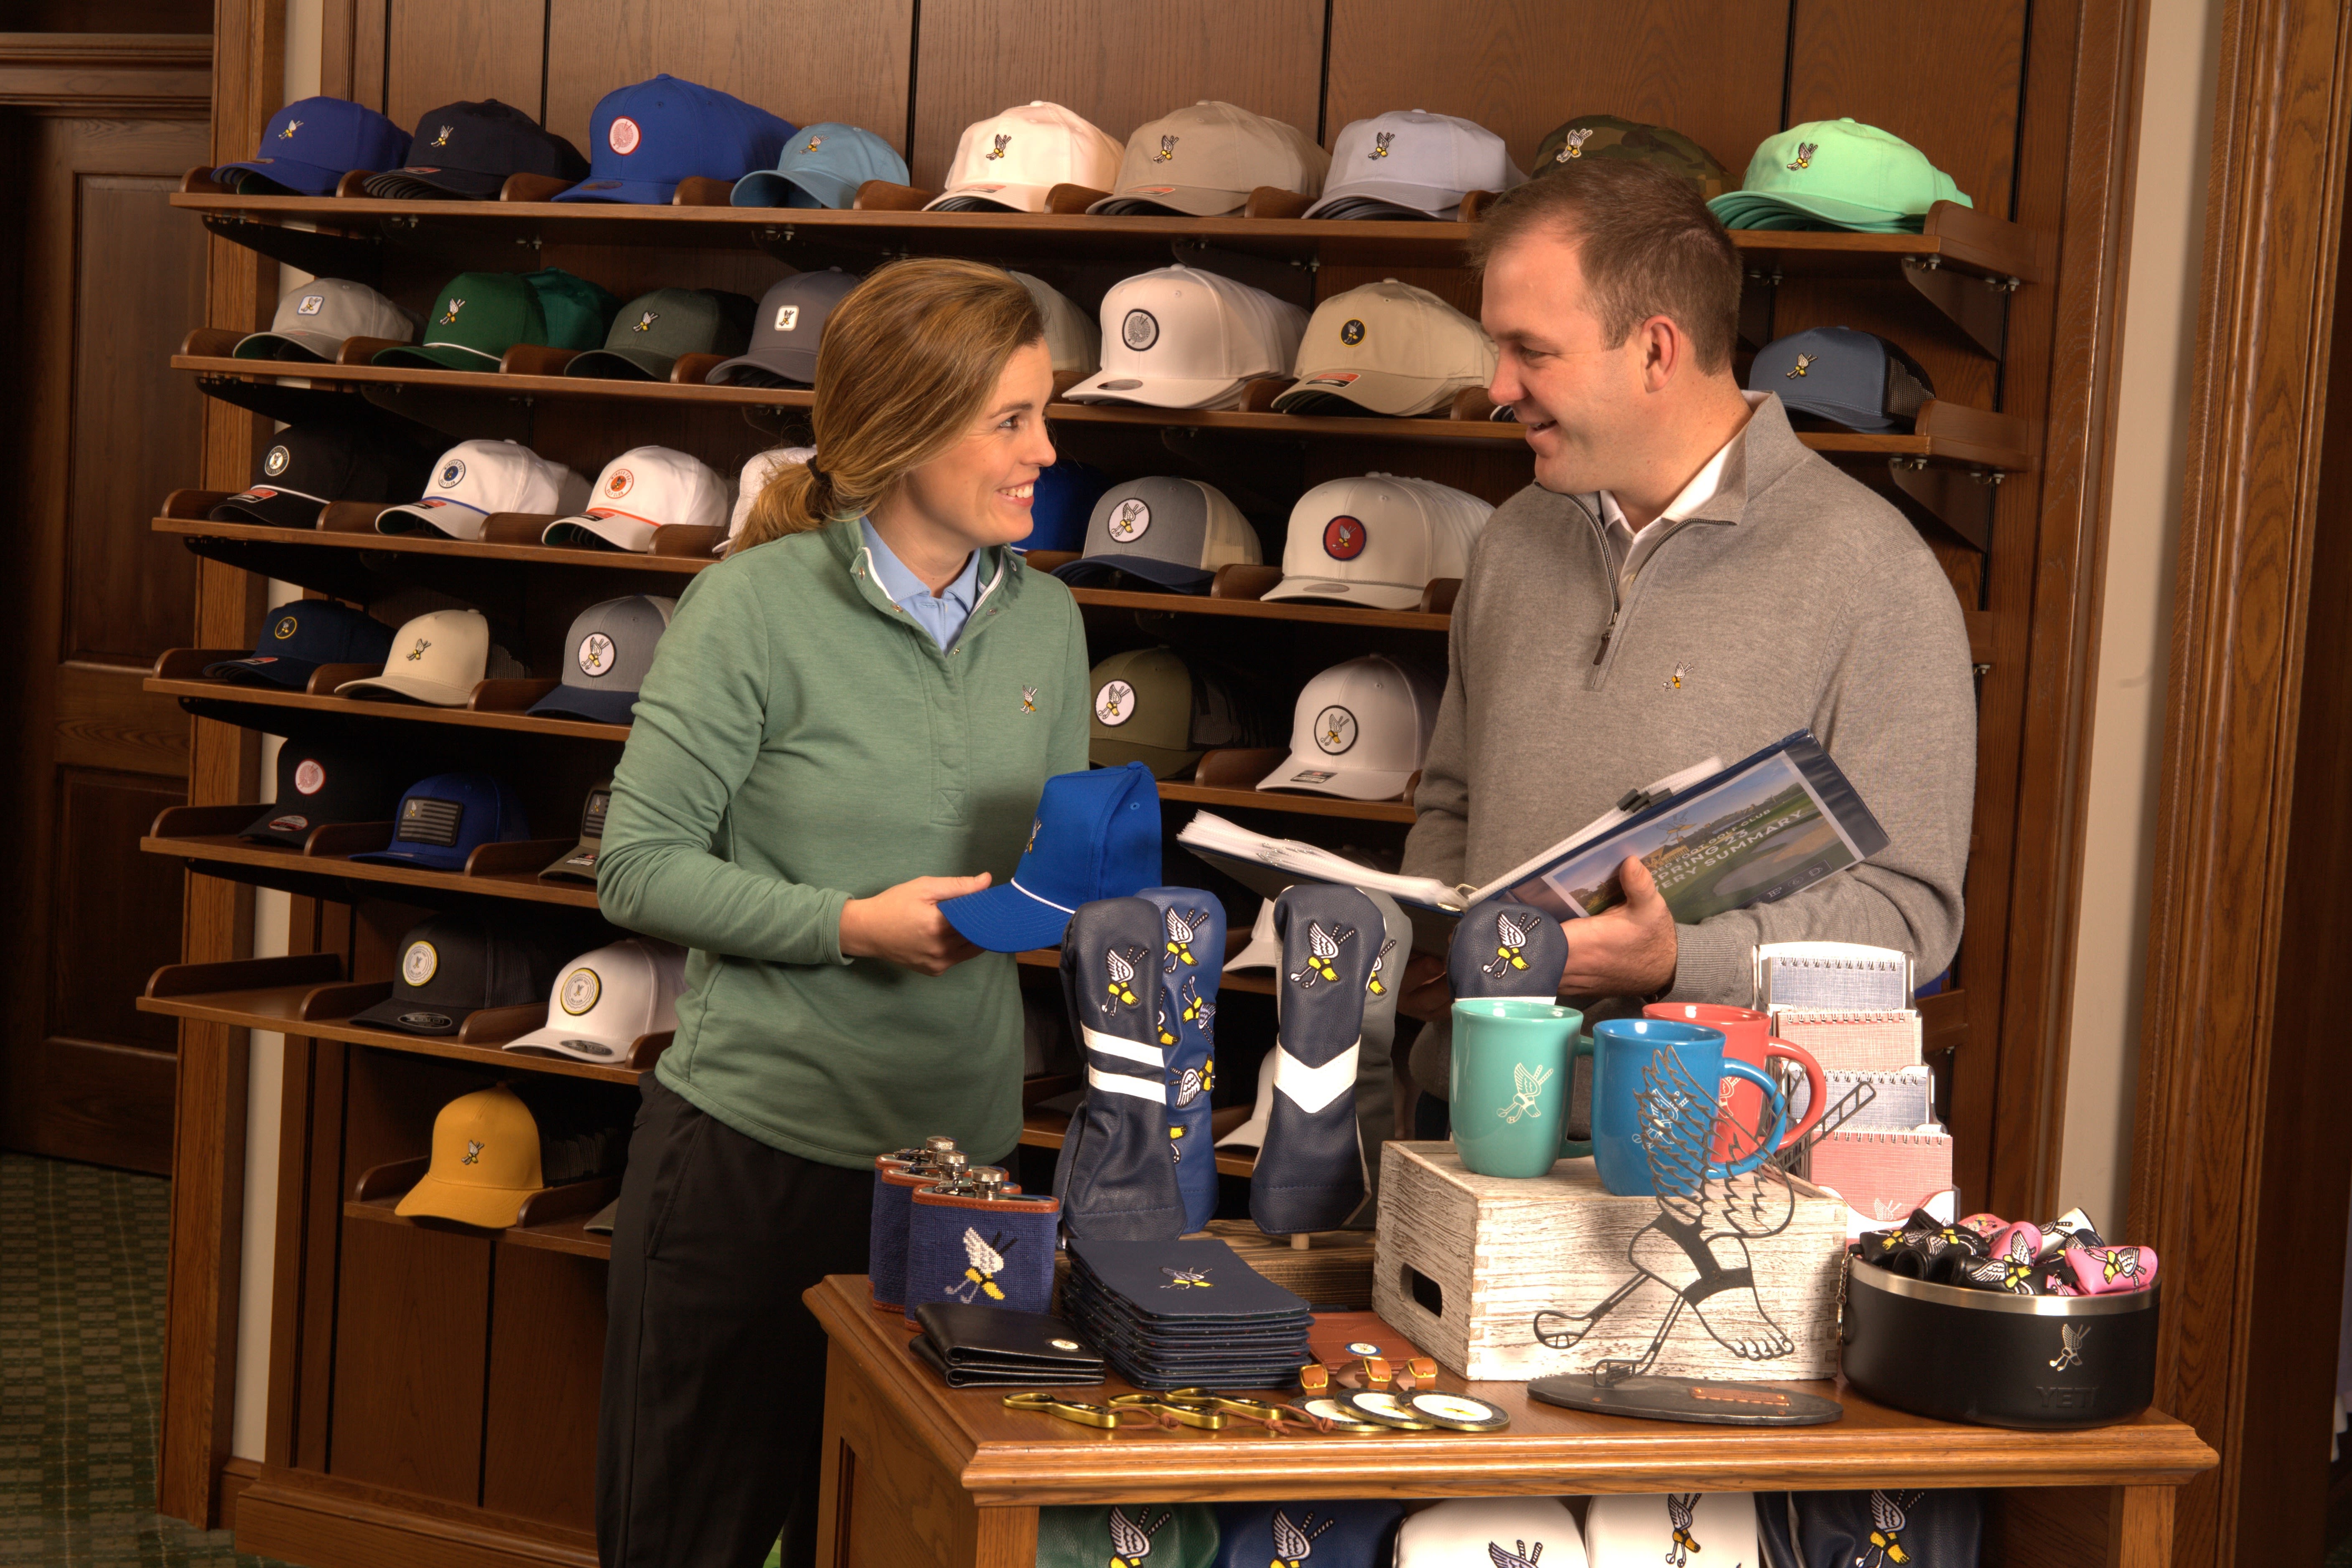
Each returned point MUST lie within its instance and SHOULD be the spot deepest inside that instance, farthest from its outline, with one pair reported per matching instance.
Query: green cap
(1164, 1535)
(1607, 136)
(1153, 707)
(1837, 173)
(653, 329)
(579, 313)
(479, 317)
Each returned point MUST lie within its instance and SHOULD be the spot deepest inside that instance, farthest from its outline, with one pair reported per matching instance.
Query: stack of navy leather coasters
(981, 1242)
(1178, 1314)
(896, 1176)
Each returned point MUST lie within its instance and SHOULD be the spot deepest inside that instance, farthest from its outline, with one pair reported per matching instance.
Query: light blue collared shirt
(942, 614)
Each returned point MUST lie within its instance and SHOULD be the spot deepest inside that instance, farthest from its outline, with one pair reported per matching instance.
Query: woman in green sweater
(848, 720)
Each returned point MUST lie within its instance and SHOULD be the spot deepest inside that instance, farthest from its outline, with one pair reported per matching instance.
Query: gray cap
(1172, 532)
(787, 329)
(314, 321)
(610, 650)
(1849, 377)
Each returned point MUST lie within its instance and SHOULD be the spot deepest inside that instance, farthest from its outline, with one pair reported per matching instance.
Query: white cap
(320, 316)
(474, 479)
(1013, 160)
(1423, 163)
(1635, 1529)
(1204, 160)
(1388, 347)
(438, 659)
(1070, 335)
(758, 469)
(1495, 1532)
(1378, 539)
(1178, 337)
(1265, 948)
(1250, 1134)
(1360, 729)
(605, 1001)
(640, 492)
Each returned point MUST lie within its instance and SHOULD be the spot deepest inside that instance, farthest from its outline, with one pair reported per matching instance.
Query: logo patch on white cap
(1130, 521)
(274, 463)
(1335, 730)
(788, 318)
(1351, 332)
(623, 137)
(309, 778)
(581, 990)
(1343, 538)
(618, 483)
(595, 654)
(451, 472)
(311, 305)
(419, 963)
(1115, 703)
(1140, 331)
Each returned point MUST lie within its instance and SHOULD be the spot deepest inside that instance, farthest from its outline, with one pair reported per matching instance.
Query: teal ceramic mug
(1509, 1082)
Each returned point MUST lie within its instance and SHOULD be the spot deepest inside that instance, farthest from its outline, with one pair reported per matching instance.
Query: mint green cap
(1837, 173)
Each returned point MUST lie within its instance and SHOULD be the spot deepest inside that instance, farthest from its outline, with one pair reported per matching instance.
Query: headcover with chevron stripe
(1310, 1173)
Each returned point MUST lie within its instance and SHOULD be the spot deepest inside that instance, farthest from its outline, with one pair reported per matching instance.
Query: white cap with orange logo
(640, 492)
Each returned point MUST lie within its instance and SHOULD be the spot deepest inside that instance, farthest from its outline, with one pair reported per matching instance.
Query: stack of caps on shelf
(653, 332)
(453, 966)
(1605, 138)
(1072, 342)
(607, 1000)
(1839, 175)
(641, 493)
(580, 865)
(1386, 348)
(301, 635)
(1154, 706)
(1175, 1314)
(822, 166)
(787, 329)
(442, 819)
(612, 647)
(438, 659)
(1378, 540)
(1360, 729)
(494, 1148)
(1203, 161)
(1179, 338)
(310, 144)
(1162, 532)
(314, 321)
(334, 458)
(474, 480)
(479, 315)
(1411, 165)
(645, 139)
(1852, 378)
(1012, 161)
(319, 786)
(468, 151)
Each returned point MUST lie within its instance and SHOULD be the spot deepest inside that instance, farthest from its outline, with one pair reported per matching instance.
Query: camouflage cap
(1607, 136)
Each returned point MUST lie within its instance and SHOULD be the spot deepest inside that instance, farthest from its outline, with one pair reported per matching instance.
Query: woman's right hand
(903, 925)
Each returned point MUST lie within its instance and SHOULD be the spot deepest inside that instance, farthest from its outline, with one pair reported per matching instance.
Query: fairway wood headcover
(1310, 1174)
(1192, 955)
(1115, 1178)
(1375, 1071)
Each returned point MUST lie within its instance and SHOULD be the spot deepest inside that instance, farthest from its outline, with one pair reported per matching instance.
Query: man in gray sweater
(1685, 579)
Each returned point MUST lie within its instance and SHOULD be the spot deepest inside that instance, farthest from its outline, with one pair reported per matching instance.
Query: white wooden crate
(1498, 1250)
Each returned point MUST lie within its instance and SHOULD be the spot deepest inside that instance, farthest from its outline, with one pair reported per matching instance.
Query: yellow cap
(485, 1161)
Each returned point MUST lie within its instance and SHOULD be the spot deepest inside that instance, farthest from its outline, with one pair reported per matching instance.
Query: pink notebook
(1882, 1175)
(1853, 1042)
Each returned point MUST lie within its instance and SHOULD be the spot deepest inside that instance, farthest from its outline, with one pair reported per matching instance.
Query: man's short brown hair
(1647, 245)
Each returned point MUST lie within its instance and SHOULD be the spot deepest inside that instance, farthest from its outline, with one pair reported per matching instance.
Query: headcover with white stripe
(1191, 956)
(1310, 1174)
(1116, 1176)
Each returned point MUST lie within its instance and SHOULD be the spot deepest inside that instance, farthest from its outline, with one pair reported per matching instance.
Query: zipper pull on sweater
(1606, 633)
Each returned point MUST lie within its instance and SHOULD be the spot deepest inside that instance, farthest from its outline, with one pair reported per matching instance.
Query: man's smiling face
(1579, 399)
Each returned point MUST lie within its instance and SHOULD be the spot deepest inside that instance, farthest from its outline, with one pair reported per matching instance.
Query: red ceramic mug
(1748, 1036)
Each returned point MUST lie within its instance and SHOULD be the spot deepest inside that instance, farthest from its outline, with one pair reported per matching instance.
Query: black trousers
(709, 1439)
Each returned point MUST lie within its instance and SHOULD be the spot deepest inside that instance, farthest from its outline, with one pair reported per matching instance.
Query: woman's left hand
(903, 924)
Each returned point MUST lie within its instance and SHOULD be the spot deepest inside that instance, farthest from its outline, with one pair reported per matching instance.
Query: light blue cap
(822, 166)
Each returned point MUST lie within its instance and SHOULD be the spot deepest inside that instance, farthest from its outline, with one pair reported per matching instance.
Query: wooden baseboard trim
(322, 1530)
(235, 1477)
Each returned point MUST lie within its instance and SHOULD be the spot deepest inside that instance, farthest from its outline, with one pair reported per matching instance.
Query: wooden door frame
(2219, 1206)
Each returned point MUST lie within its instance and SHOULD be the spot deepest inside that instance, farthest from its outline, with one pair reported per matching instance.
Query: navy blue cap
(442, 819)
(469, 150)
(1095, 835)
(823, 167)
(301, 635)
(1064, 500)
(1849, 377)
(312, 143)
(1350, 1534)
(645, 138)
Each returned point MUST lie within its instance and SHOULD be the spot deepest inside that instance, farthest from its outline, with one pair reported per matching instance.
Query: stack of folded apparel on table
(1185, 1314)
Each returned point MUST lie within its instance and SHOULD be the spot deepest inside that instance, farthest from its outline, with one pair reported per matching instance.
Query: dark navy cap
(312, 143)
(301, 635)
(453, 966)
(788, 328)
(317, 785)
(442, 819)
(1852, 378)
(1064, 500)
(645, 138)
(306, 466)
(468, 149)
(1350, 1534)
(1095, 835)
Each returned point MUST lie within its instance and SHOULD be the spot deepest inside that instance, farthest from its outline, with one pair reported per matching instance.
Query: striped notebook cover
(1900, 1101)
(1853, 1042)
(1885, 1176)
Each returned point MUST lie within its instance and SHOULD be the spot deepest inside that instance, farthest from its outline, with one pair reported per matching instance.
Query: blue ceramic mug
(1657, 1092)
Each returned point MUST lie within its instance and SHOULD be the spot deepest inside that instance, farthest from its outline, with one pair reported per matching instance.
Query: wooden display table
(917, 1472)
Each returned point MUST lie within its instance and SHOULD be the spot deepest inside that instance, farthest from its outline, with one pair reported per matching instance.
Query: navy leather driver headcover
(1191, 958)
(1506, 949)
(1117, 1174)
(1310, 1174)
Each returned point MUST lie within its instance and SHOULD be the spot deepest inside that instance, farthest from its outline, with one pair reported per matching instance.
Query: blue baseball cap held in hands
(312, 143)
(822, 167)
(645, 138)
(1095, 835)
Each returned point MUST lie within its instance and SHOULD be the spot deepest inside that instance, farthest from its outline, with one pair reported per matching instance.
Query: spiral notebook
(1853, 1042)
(1899, 1102)
(1885, 1176)
(1832, 976)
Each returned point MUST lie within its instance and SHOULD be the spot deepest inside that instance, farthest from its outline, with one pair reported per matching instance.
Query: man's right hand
(903, 925)
(1425, 993)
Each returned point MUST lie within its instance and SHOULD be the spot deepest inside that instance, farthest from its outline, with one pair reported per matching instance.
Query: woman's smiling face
(981, 488)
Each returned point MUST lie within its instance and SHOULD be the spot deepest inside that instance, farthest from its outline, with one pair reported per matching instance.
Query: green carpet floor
(81, 1371)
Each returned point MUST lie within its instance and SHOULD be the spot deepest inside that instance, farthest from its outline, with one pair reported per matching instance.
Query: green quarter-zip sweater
(801, 742)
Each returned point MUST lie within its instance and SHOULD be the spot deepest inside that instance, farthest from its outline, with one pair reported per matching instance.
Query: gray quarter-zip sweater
(1794, 598)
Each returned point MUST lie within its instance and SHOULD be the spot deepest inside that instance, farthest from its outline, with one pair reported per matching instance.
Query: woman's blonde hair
(910, 361)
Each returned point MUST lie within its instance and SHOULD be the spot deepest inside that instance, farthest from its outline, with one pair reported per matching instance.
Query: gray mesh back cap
(789, 328)
(607, 654)
(1840, 373)
(1156, 529)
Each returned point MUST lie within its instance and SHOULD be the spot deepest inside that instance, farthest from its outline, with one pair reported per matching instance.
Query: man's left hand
(1627, 951)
